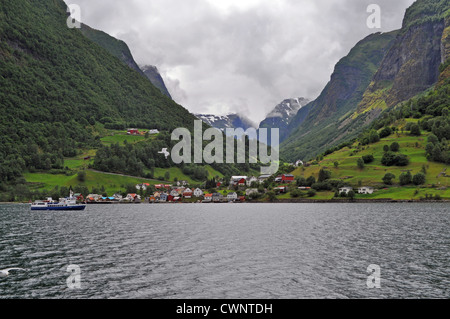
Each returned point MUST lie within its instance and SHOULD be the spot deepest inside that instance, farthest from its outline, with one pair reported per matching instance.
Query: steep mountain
(152, 73)
(412, 64)
(226, 121)
(58, 87)
(324, 121)
(121, 50)
(114, 46)
(282, 115)
(380, 72)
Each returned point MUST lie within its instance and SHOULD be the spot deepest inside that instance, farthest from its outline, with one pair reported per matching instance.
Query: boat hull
(66, 208)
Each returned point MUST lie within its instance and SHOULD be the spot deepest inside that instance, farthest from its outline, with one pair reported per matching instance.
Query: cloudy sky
(244, 56)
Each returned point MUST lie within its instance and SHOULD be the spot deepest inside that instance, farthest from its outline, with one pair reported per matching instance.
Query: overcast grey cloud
(245, 56)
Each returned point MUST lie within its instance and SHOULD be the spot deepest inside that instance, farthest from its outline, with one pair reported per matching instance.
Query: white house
(251, 191)
(94, 197)
(187, 193)
(142, 186)
(153, 132)
(174, 193)
(198, 192)
(263, 178)
(232, 197)
(238, 180)
(299, 163)
(118, 197)
(366, 190)
(345, 190)
(133, 197)
(182, 183)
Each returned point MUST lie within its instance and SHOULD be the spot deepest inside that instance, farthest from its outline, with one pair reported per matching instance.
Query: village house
(187, 193)
(133, 131)
(217, 197)
(238, 181)
(345, 190)
(133, 197)
(182, 183)
(208, 198)
(263, 178)
(153, 132)
(157, 195)
(251, 191)
(366, 190)
(118, 197)
(298, 163)
(231, 197)
(174, 193)
(198, 192)
(251, 180)
(287, 178)
(281, 189)
(163, 197)
(278, 179)
(94, 197)
(143, 186)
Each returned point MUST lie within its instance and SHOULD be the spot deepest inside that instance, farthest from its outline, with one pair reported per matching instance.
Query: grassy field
(111, 183)
(372, 174)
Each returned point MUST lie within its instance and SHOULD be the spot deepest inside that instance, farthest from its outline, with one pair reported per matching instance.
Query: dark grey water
(228, 251)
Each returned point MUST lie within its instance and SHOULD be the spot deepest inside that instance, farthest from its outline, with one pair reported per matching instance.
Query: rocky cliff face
(377, 75)
(410, 67)
(152, 73)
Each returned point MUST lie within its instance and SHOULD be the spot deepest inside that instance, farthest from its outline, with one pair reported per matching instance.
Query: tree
(419, 179)
(368, 159)
(81, 176)
(312, 193)
(324, 175)
(386, 148)
(351, 195)
(167, 176)
(385, 132)
(301, 181)
(360, 163)
(387, 179)
(310, 181)
(336, 164)
(395, 147)
(415, 130)
(405, 178)
(271, 196)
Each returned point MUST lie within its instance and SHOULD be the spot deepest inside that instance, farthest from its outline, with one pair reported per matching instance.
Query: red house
(287, 178)
(133, 131)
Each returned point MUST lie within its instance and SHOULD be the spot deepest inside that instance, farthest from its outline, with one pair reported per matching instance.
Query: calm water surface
(228, 251)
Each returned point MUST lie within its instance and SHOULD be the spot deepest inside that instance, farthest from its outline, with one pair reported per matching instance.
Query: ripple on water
(212, 251)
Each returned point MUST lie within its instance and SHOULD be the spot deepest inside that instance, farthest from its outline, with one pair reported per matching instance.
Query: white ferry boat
(69, 203)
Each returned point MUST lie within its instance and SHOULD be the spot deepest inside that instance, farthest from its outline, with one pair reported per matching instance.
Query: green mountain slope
(409, 66)
(58, 87)
(121, 50)
(324, 122)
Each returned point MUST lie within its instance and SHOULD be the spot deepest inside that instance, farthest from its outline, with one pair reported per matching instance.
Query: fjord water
(228, 251)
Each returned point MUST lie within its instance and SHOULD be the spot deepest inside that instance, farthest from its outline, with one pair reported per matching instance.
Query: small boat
(69, 203)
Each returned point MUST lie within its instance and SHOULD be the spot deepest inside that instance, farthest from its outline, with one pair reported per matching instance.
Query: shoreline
(281, 201)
